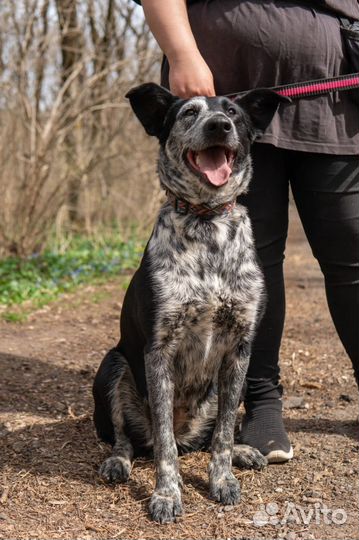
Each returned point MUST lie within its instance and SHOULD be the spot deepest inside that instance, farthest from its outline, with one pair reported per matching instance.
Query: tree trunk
(71, 40)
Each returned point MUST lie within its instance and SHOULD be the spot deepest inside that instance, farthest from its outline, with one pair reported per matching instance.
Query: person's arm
(189, 74)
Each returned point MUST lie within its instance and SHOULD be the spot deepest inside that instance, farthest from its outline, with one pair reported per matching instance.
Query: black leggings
(325, 189)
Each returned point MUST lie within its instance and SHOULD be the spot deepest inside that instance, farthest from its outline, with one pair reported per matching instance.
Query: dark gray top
(348, 8)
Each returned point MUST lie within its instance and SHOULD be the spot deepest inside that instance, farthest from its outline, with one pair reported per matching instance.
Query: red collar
(183, 207)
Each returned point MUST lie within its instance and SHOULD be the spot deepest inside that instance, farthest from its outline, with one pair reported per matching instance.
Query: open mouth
(213, 164)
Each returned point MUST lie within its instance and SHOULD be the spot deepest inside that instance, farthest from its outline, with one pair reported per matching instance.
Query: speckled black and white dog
(173, 382)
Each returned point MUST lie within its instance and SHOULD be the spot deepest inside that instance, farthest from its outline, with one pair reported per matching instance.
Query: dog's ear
(260, 105)
(151, 102)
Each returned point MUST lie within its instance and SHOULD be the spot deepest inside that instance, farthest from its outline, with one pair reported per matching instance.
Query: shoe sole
(279, 456)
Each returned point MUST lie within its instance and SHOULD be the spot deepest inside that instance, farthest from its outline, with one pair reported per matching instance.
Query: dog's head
(205, 142)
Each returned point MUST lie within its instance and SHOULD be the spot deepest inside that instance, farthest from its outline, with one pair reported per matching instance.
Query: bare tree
(68, 143)
(71, 44)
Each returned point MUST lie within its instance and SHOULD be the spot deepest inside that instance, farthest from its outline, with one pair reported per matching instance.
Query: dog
(173, 383)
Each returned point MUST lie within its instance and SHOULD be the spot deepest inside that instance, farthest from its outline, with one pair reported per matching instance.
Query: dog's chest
(208, 287)
(211, 328)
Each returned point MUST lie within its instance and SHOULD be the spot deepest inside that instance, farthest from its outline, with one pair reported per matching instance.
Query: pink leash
(315, 88)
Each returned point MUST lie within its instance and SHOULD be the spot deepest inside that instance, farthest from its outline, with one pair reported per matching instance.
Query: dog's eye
(231, 111)
(190, 112)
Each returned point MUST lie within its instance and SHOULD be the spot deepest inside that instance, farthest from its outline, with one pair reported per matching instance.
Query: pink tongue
(213, 163)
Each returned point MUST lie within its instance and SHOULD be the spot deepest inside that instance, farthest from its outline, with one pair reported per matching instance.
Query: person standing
(215, 47)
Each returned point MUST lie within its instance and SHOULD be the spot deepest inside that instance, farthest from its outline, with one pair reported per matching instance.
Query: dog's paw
(164, 508)
(247, 457)
(115, 469)
(225, 489)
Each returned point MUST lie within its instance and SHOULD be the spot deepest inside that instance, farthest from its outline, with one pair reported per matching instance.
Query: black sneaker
(263, 428)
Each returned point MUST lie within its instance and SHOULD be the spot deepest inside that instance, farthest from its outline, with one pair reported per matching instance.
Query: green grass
(11, 316)
(42, 278)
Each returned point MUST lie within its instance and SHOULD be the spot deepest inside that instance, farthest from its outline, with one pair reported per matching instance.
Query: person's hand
(190, 76)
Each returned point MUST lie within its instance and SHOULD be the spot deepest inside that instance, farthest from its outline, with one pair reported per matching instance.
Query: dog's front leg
(224, 487)
(165, 502)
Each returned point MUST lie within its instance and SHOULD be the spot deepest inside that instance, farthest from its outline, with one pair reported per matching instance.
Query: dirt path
(49, 454)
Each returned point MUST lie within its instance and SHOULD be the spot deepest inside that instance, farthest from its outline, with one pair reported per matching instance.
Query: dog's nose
(218, 125)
